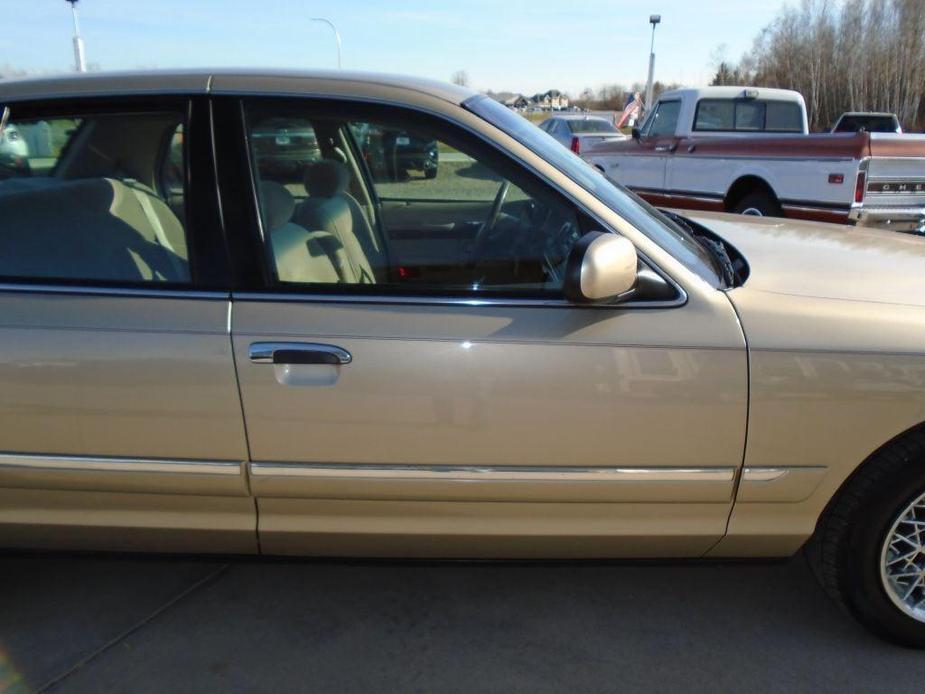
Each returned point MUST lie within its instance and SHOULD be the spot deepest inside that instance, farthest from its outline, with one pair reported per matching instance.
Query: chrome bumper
(909, 219)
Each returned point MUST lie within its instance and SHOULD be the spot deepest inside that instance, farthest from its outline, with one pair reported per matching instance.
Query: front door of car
(460, 406)
(120, 426)
(642, 164)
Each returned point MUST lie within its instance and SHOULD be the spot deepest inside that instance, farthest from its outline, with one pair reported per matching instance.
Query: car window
(591, 125)
(82, 199)
(664, 119)
(452, 216)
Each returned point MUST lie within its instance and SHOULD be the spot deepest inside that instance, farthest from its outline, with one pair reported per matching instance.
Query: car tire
(758, 204)
(852, 555)
(430, 173)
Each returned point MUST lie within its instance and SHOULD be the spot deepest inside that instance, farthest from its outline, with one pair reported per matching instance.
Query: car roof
(877, 114)
(580, 116)
(225, 81)
(733, 92)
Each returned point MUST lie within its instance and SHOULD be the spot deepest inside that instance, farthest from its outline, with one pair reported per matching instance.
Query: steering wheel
(486, 232)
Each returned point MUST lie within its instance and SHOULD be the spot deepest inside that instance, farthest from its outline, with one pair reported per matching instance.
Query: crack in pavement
(205, 580)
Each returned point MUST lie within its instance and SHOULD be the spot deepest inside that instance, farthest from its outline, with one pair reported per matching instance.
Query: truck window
(665, 119)
(741, 115)
(749, 115)
(784, 117)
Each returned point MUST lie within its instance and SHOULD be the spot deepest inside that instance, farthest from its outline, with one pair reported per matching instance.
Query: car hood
(826, 261)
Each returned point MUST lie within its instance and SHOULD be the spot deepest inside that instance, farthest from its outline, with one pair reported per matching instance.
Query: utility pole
(80, 59)
(336, 35)
(654, 20)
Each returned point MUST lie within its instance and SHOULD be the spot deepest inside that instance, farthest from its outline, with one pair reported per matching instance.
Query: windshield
(590, 125)
(675, 240)
(871, 124)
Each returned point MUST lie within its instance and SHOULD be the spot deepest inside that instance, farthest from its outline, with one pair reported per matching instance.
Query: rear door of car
(423, 416)
(120, 422)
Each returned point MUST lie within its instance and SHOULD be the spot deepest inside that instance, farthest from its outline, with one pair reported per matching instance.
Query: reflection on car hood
(810, 259)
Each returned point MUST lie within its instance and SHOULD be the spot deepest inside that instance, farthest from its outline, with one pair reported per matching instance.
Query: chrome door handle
(298, 353)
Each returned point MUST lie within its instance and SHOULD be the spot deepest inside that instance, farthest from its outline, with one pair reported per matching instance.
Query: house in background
(518, 102)
(553, 100)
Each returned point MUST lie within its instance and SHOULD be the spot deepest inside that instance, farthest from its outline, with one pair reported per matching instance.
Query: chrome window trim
(89, 290)
(682, 293)
(475, 302)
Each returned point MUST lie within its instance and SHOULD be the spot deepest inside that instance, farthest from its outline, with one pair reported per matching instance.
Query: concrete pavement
(150, 624)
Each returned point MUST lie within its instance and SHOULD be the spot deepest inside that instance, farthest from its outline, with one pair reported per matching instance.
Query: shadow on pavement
(355, 627)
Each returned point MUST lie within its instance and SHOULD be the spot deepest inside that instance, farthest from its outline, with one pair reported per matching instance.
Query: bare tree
(460, 77)
(858, 55)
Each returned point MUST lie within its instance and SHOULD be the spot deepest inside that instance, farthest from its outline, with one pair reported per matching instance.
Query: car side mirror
(601, 267)
(637, 133)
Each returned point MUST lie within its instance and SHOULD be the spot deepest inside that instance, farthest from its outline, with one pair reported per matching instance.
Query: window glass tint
(715, 115)
(665, 119)
(448, 217)
(784, 116)
(84, 199)
(749, 115)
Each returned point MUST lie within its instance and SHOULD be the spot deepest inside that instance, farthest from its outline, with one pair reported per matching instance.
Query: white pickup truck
(748, 150)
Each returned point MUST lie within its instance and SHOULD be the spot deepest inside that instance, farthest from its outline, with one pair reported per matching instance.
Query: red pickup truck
(739, 149)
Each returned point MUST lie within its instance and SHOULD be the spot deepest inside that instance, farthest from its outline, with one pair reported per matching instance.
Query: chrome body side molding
(778, 484)
(507, 483)
(105, 474)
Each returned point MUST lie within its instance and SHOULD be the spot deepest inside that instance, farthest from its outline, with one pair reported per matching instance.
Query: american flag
(633, 108)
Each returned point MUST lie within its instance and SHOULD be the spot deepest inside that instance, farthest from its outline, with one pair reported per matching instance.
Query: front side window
(87, 198)
(404, 204)
(665, 119)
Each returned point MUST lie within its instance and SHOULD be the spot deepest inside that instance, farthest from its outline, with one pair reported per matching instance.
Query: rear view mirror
(601, 267)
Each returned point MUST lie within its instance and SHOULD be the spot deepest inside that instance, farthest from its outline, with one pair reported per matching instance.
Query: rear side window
(747, 115)
(92, 198)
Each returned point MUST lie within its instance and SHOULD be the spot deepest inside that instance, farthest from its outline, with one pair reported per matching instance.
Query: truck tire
(868, 548)
(759, 204)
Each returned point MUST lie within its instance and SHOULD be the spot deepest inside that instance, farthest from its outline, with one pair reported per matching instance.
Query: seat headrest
(278, 204)
(326, 178)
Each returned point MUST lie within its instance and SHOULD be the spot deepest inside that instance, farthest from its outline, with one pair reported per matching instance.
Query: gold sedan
(317, 314)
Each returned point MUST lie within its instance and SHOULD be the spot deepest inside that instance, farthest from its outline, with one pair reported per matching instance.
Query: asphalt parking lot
(151, 624)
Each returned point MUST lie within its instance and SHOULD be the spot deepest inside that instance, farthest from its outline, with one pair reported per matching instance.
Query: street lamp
(80, 60)
(654, 20)
(336, 35)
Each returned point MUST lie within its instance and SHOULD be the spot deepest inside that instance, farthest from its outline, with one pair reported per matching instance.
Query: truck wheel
(869, 548)
(758, 204)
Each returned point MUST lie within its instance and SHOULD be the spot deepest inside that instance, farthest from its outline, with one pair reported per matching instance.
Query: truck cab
(748, 150)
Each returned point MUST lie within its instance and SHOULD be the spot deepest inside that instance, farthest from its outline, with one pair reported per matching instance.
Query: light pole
(80, 60)
(654, 20)
(336, 35)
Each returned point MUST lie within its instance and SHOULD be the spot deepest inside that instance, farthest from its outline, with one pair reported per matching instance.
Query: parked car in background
(746, 150)
(284, 146)
(868, 123)
(394, 152)
(578, 132)
(532, 364)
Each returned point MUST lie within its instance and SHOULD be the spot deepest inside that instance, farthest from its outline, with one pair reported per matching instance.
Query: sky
(505, 45)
